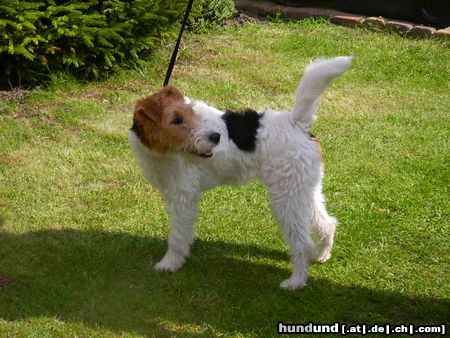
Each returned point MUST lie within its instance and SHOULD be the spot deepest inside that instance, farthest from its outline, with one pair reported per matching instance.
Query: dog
(185, 147)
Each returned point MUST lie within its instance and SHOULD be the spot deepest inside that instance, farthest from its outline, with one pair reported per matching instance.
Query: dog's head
(166, 123)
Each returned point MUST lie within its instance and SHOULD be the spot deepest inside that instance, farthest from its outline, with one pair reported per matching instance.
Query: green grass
(80, 229)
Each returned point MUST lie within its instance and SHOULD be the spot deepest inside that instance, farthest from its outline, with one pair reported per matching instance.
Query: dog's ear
(171, 92)
(149, 107)
(152, 106)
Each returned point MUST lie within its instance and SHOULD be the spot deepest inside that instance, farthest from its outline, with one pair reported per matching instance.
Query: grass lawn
(80, 229)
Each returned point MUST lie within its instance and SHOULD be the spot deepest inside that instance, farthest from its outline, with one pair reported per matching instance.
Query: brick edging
(265, 8)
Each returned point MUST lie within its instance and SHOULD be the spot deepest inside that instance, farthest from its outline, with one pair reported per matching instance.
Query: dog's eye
(177, 120)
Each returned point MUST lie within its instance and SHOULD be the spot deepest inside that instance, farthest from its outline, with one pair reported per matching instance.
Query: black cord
(177, 45)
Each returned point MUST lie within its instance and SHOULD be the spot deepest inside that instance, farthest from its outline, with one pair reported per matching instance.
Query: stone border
(264, 8)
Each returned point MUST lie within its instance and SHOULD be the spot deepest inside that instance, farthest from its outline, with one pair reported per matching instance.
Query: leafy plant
(86, 37)
(212, 12)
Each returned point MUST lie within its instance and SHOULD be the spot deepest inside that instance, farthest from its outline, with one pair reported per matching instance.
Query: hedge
(86, 37)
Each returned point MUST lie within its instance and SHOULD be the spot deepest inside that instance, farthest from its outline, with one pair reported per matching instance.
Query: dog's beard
(199, 145)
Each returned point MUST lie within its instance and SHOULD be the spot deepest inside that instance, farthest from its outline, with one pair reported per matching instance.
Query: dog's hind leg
(291, 209)
(324, 225)
(182, 211)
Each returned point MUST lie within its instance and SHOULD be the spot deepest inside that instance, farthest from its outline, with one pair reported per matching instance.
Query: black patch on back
(242, 128)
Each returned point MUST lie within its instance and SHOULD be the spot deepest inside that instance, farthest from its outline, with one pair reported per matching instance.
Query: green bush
(212, 12)
(88, 38)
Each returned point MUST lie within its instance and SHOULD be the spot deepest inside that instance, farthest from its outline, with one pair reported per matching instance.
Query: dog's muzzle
(213, 138)
(203, 146)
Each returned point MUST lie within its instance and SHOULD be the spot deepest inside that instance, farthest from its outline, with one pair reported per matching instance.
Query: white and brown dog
(185, 147)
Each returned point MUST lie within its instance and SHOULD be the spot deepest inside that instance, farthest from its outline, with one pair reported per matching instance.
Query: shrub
(212, 12)
(89, 38)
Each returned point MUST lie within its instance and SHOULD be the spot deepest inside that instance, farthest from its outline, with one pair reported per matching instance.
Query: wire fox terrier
(185, 147)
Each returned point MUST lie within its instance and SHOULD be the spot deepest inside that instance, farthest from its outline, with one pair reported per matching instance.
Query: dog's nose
(214, 138)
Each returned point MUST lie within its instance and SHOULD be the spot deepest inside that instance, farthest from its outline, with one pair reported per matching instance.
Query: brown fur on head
(163, 121)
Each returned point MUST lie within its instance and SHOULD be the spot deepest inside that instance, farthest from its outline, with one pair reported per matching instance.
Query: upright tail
(318, 74)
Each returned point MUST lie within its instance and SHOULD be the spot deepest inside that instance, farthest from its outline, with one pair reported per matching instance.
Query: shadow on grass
(106, 280)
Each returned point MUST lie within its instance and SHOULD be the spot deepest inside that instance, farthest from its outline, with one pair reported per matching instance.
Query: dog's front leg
(182, 215)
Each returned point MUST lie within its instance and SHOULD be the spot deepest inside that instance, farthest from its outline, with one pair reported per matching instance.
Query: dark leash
(177, 45)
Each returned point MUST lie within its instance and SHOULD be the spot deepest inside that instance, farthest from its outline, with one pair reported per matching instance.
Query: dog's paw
(322, 257)
(170, 263)
(293, 283)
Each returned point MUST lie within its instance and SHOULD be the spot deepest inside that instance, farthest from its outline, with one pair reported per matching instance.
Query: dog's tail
(318, 74)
